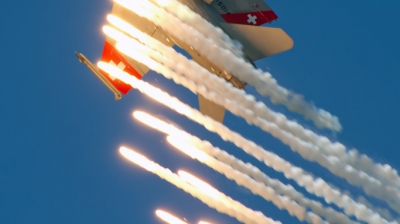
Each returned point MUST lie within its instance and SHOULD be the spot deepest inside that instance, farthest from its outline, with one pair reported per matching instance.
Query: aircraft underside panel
(211, 109)
(259, 42)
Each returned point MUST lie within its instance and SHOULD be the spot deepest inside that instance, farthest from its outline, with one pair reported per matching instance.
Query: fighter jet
(240, 19)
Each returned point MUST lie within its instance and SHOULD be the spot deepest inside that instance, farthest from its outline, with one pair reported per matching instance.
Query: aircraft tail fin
(249, 12)
(112, 56)
(259, 42)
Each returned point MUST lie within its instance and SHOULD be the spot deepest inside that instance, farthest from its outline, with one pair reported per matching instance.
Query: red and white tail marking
(112, 56)
(256, 18)
(120, 65)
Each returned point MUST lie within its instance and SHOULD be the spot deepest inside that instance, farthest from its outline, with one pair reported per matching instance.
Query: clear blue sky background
(60, 128)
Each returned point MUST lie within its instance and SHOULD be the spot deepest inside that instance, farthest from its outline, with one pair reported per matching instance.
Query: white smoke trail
(260, 109)
(331, 215)
(390, 192)
(268, 193)
(203, 222)
(255, 173)
(306, 150)
(315, 186)
(201, 75)
(222, 203)
(264, 83)
(169, 218)
(186, 15)
(336, 166)
(382, 211)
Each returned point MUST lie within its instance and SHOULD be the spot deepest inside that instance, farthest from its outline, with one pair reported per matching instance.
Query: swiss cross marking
(120, 65)
(252, 19)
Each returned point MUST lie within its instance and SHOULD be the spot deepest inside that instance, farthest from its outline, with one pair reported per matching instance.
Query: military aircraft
(240, 19)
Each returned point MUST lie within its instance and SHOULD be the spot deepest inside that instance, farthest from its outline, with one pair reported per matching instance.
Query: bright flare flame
(131, 47)
(137, 51)
(188, 149)
(115, 34)
(133, 6)
(200, 184)
(167, 217)
(163, 3)
(151, 91)
(199, 189)
(126, 27)
(202, 222)
(143, 38)
(118, 73)
(159, 125)
(138, 159)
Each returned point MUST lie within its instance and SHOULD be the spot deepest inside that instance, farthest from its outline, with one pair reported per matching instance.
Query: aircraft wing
(111, 55)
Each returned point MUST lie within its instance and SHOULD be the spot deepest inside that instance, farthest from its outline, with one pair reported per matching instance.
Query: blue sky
(60, 128)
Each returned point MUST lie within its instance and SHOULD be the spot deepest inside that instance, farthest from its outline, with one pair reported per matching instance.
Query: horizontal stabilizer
(258, 41)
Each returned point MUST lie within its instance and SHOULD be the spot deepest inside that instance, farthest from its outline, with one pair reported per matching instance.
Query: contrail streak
(329, 214)
(202, 222)
(306, 150)
(336, 155)
(207, 151)
(223, 204)
(264, 83)
(316, 186)
(167, 217)
(382, 211)
(382, 172)
(268, 193)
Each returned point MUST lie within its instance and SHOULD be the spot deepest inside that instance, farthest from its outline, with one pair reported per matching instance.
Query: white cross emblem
(252, 19)
(120, 65)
